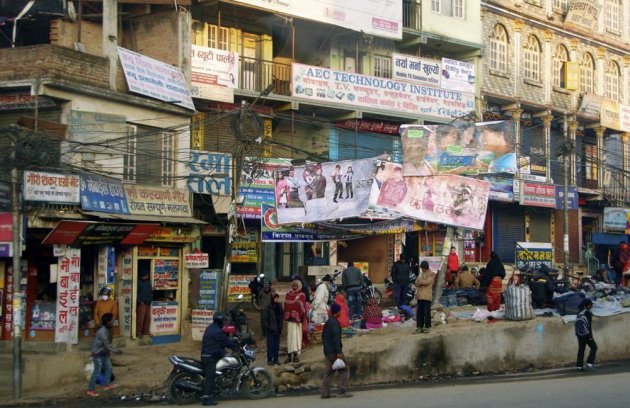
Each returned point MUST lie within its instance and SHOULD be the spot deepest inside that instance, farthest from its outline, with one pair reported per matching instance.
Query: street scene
(224, 202)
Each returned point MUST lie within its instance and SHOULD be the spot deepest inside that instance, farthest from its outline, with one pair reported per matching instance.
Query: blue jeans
(273, 348)
(101, 363)
(354, 302)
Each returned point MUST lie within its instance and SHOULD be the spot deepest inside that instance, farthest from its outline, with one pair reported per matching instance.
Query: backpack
(581, 324)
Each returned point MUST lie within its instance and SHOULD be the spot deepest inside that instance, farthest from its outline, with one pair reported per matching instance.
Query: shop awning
(98, 233)
(608, 239)
(145, 218)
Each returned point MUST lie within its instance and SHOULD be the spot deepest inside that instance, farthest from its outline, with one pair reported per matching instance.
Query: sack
(581, 324)
(569, 303)
(339, 364)
(518, 303)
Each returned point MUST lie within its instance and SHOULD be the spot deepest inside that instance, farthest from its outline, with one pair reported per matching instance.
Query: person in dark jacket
(493, 281)
(400, 278)
(271, 322)
(101, 348)
(352, 281)
(584, 334)
(542, 286)
(333, 349)
(143, 304)
(213, 347)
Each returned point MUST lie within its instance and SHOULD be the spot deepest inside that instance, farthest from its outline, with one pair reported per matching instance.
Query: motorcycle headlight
(249, 353)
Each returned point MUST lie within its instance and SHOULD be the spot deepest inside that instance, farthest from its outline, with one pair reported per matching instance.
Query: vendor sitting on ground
(372, 315)
(542, 286)
(465, 279)
(601, 275)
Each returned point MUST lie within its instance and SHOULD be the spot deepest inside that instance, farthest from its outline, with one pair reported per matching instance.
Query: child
(584, 333)
(101, 347)
(271, 322)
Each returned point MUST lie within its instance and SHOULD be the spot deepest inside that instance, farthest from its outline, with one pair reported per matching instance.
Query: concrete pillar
(599, 132)
(547, 119)
(547, 65)
(110, 39)
(625, 78)
(517, 26)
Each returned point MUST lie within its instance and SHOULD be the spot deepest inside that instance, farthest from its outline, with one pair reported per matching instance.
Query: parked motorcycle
(410, 295)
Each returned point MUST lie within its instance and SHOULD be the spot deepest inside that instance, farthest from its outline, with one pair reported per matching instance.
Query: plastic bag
(480, 315)
(339, 364)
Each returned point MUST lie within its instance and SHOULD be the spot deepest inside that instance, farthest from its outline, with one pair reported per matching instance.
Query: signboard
(372, 126)
(167, 202)
(208, 288)
(458, 75)
(572, 202)
(582, 14)
(533, 254)
(609, 114)
(624, 117)
(209, 173)
(615, 219)
(538, 195)
(244, 252)
(257, 185)
(416, 70)
(468, 149)
(435, 262)
(196, 260)
(125, 294)
(501, 188)
(103, 194)
(347, 88)
(213, 73)
(164, 318)
(6, 227)
(591, 104)
(51, 187)
(67, 308)
(201, 319)
(155, 79)
(165, 274)
(5, 196)
(382, 18)
(239, 284)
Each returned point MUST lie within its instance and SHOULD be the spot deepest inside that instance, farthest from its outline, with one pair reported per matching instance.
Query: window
(612, 81)
(532, 59)
(149, 157)
(561, 5)
(436, 6)
(450, 8)
(587, 73)
(560, 56)
(168, 158)
(612, 15)
(590, 162)
(218, 37)
(129, 158)
(498, 49)
(382, 66)
(458, 8)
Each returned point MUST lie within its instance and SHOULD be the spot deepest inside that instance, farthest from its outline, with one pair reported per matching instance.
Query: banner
(210, 173)
(165, 274)
(583, 14)
(615, 219)
(67, 317)
(417, 70)
(257, 185)
(443, 199)
(318, 84)
(458, 75)
(467, 149)
(323, 191)
(51, 187)
(213, 73)
(208, 288)
(160, 201)
(533, 254)
(164, 319)
(103, 194)
(201, 319)
(239, 284)
(125, 296)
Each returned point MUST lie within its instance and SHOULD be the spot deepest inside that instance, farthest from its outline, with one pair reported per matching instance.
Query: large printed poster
(257, 185)
(444, 199)
(466, 149)
(67, 319)
(323, 191)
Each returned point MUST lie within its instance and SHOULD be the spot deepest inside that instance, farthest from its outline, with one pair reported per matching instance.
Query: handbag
(339, 364)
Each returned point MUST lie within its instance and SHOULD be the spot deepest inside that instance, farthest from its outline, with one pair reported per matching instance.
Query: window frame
(498, 49)
(436, 6)
(558, 63)
(612, 16)
(459, 5)
(382, 66)
(588, 80)
(532, 59)
(591, 168)
(612, 80)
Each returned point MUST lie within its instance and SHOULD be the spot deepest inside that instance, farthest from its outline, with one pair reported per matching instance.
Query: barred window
(532, 59)
(498, 49)
(436, 6)
(612, 15)
(587, 73)
(382, 66)
(560, 57)
(561, 4)
(458, 8)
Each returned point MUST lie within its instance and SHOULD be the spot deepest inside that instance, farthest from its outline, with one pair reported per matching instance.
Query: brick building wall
(66, 33)
(574, 235)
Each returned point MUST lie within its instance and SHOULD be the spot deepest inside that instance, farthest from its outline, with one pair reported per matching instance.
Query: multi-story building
(561, 69)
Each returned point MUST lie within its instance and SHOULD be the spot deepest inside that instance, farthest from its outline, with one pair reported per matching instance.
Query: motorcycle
(370, 291)
(254, 287)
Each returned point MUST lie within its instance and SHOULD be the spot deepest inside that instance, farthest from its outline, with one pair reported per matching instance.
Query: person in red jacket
(344, 314)
(453, 267)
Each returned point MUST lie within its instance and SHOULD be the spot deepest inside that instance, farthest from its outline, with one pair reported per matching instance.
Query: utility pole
(446, 248)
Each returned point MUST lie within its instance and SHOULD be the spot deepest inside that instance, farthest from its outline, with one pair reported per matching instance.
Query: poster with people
(323, 191)
(463, 149)
(445, 199)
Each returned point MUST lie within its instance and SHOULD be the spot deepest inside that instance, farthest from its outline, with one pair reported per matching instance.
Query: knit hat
(335, 308)
(424, 265)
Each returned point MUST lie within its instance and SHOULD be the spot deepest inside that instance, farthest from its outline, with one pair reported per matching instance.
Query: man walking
(584, 334)
(101, 348)
(352, 280)
(333, 350)
(400, 278)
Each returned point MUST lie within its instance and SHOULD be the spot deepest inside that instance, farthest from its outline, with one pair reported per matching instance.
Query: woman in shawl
(372, 315)
(294, 314)
(493, 280)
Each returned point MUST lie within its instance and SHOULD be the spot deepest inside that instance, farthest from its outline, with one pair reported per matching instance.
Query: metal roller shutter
(508, 228)
(539, 230)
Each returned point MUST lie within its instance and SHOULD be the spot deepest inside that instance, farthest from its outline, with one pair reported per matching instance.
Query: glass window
(587, 73)
(458, 8)
(561, 4)
(532, 59)
(498, 49)
(560, 56)
(590, 162)
(218, 37)
(382, 66)
(436, 6)
(612, 15)
(612, 81)
(143, 146)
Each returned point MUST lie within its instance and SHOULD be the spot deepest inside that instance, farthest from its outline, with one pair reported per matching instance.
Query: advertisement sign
(7, 304)
(271, 231)
(582, 14)
(67, 318)
(435, 262)
(239, 284)
(591, 104)
(168, 202)
(208, 288)
(458, 75)
(6, 227)
(125, 295)
(609, 114)
(615, 219)
(244, 252)
(467, 149)
(382, 18)
(196, 260)
(257, 185)
(201, 319)
(417, 70)
(444, 199)
(164, 318)
(572, 201)
(213, 73)
(165, 274)
(209, 173)
(155, 79)
(103, 194)
(51, 187)
(372, 126)
(533, 254)
(346, 88)
(323, 191)
(624, 118)
(501, 188)
(538, 195)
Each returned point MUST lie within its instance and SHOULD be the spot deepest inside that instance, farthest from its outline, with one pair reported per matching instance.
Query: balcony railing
(257, 74)
(412, 14)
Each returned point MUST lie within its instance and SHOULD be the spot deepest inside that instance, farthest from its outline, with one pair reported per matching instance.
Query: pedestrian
(213, 347)
(344, 314)
(584, 334)
(294, 313)
(493, 281)
(265, 294)
(143, 304)
(320, 301)
(101, 349)
(452, 262)
(620, 260)
(271, 322)
(352, 281)
(333, 350)
(424, 295)
(400, 278)
(106, 304)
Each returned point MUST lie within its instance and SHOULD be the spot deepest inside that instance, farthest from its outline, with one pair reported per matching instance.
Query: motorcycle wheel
(180, 396)
(260, 390)
(378, 296)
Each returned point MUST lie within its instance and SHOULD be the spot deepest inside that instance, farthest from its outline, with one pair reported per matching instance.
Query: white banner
(323, 191)
(201, 319)
(382, 18)
(51, 187)
(458, 75)
(67, 316)
(417, 70)
(214, 73)
(624, 117)
(154, 78)
(346, 88)
(196, 260)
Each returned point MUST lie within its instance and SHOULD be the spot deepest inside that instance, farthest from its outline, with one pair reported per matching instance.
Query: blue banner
(103, 194)
(572, 201)
(208, 294)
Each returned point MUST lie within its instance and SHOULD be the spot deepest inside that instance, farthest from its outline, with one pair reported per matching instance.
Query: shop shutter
(361, 145)
(508, 228)
(539, 227)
